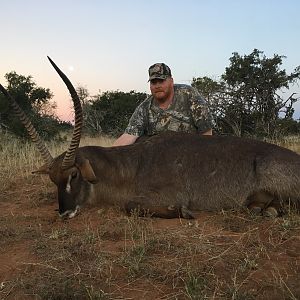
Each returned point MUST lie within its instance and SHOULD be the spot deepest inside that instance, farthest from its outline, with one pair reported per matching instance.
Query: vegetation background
(104, 254)
(250, 99)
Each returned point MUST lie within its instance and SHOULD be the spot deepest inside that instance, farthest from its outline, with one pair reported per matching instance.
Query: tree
(109, 112)
(26, 92)
(35, 101)
(213, 92)
(247, 98)
(92, 117)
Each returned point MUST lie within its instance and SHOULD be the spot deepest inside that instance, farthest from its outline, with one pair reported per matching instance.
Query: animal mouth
(69, 214)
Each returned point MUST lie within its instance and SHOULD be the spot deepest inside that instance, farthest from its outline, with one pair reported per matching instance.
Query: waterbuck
(171, 174)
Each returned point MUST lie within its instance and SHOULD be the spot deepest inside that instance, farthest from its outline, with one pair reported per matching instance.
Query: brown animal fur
(183, 171)
(170, 174)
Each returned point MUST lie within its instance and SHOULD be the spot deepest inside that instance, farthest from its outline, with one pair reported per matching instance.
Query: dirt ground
(104, 254)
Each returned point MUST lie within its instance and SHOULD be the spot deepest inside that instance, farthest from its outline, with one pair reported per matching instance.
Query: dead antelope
(169, 175)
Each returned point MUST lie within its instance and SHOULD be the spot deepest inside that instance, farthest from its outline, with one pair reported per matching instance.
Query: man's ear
(87, 171)
(44, 169)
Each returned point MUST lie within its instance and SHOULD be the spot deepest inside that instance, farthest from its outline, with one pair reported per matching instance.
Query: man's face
(162, 89)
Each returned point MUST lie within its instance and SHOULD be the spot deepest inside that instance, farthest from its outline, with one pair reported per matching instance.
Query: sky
(109, 45)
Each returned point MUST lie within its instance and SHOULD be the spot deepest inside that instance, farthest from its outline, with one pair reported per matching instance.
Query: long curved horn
(28, 125)
(69, 158)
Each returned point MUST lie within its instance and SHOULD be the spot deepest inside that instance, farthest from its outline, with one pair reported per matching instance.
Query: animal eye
(74, 174)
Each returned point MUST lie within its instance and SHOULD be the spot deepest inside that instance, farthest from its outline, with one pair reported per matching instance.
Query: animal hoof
(270, 212)
(185, 213)
(171, 207)
(255, 211)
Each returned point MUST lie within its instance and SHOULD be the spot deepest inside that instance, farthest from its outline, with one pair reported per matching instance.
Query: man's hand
(208, 132)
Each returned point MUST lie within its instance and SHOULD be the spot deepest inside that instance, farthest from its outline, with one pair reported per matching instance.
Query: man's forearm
(125, 139)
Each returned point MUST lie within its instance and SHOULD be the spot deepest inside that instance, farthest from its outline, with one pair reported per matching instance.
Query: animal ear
(44, 169)
(87, 171)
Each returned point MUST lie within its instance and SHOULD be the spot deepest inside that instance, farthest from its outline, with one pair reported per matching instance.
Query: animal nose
(69, 214)
(64, 215)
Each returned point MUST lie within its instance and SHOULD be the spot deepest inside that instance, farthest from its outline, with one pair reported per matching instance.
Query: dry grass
(291, 142)
(103, 254)
(18, 157)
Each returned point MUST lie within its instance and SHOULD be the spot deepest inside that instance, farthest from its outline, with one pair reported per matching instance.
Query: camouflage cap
(159, 71)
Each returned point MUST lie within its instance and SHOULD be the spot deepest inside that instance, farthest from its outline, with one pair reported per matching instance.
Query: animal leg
(259, 201)
(275, 209)
(167, 212)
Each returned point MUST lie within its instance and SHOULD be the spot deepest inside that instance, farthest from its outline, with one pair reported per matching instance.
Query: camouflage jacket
(188, 112)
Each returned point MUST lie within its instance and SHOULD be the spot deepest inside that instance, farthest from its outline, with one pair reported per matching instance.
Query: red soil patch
(103, 253)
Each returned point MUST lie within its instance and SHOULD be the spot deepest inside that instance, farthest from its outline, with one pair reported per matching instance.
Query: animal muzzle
(69, 214)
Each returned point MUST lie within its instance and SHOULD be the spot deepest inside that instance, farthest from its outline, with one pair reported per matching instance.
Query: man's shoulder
(182, 86)
(186, 91)
(148, 99)
(145, 103)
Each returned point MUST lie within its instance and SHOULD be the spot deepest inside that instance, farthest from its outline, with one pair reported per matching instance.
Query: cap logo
(156, 69)
(159, 71)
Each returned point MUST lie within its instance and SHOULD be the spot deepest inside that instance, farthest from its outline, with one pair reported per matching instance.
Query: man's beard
(161, 96)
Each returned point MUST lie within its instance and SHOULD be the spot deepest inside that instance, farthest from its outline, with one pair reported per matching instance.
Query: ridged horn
(30, 128)
(69, 159)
